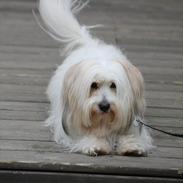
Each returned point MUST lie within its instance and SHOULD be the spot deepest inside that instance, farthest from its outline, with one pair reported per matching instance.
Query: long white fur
(85, 50)
(61, 23)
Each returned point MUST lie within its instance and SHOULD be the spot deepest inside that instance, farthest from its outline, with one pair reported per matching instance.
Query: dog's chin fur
(93, 74)
(101, 124)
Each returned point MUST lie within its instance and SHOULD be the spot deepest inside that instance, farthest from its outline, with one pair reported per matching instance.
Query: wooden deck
(150, 32)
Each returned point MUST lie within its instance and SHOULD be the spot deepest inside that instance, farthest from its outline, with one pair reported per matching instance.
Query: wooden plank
(43, 134)
(43, 146)
(25, 61)
(164, 103)
(23, 93)
(160, 54)
(48, 177)
(159, 135)
(148, 6)
(42, 75)
(48, 58)
(51, 55)
(162, 112)
(163, 53)
(40, 39)
(9, 176)
(163, 87)
(169, 122)
(143, 32)
(24, 106)
(118, 165)
(161, 43)
(167, 71)
(37, 77)
(166, 78)
(168, 142)
(17, 5)
(146, 70)
(37, 131)
(30, 33)
(164, 95)
(23, 115)
(146, 48)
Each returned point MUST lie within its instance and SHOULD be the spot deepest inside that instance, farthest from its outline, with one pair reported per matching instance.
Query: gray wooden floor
(150, 32)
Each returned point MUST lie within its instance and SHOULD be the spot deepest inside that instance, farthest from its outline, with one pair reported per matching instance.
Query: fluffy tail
(61, 24)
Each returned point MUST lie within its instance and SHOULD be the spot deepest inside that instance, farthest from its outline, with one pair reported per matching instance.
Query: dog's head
(101, 97)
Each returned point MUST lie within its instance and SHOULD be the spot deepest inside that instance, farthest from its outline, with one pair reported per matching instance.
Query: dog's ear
(137, 85)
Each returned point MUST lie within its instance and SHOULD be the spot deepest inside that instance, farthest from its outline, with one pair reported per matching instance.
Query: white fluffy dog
(96, 94)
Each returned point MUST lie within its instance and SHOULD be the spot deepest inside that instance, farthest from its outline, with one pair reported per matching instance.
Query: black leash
(169, 133)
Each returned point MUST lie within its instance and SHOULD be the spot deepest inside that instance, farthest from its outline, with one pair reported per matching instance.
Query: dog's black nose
(104, 106)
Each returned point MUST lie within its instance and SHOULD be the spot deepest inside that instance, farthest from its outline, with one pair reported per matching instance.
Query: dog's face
(103, 100)
(99, 97)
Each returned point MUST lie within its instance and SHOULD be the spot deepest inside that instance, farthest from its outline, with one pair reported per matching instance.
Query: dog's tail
(61, 24)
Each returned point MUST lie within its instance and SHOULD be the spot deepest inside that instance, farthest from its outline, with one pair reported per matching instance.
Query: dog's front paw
(95, 151)
(130, 145)
(131, 150)
(96, 147)
(92, 146)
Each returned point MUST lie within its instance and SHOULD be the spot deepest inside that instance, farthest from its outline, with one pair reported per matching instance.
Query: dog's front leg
(136, 142)
(130, 145)
(92, 146)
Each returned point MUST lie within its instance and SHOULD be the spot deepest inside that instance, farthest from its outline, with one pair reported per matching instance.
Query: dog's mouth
(102, 123)
(105, 113)
(103, 117)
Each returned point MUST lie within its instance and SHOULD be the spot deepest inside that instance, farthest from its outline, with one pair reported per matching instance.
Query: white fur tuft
(61, 23)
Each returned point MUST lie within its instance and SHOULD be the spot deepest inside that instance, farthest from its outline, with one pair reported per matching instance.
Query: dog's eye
(94, 86)
(113, 86)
